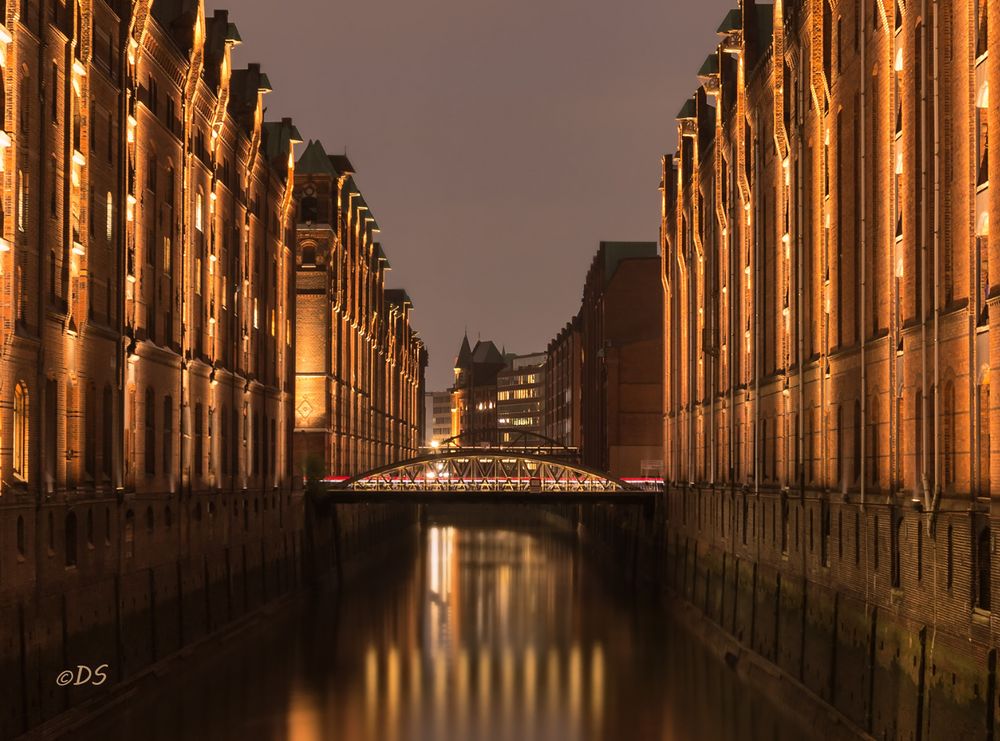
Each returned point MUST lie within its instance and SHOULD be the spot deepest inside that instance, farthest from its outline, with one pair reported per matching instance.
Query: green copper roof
(688, 110)
(710, 67)
(732, 22)
(314, 161)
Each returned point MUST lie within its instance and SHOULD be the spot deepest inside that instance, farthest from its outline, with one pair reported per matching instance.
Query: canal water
(476, 633)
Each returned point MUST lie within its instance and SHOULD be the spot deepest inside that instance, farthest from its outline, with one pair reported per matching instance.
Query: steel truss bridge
(488, 475)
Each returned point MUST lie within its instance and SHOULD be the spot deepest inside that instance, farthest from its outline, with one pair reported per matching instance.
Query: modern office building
(521, 397)
(438, 412)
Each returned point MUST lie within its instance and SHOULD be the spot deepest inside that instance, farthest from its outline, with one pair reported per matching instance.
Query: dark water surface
(478, 634)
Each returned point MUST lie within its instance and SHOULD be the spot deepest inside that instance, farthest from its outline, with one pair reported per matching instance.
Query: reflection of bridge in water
(531, 469)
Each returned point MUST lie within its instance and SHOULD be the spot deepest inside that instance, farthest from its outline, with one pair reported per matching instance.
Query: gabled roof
(464, 353)
(383, 258)
(341, 164)
(398, 297)
(278, 139)
(710, 67)
(486, 353)
(615, 252)
(732, 22)
(314, 161)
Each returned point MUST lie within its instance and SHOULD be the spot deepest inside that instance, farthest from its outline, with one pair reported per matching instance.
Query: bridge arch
(477, 469)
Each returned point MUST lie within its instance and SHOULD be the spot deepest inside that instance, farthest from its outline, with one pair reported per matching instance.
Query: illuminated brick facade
(829, 334)
(147, 346)
(146, 343)
(359, 363)
(563, 366)
(604, 379)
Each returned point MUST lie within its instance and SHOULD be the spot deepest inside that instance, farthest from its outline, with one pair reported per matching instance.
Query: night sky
(496, 142)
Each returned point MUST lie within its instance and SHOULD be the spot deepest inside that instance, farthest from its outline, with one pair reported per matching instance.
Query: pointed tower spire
(464, 353)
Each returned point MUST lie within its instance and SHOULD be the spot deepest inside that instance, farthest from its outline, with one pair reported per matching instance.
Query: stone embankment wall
(152, 576)
(808, 594)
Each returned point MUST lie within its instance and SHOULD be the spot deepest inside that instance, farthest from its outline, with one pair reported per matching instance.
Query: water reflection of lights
(506, 674)
(476, 693)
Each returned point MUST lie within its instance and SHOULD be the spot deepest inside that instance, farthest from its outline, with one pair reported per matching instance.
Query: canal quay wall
(811, 613)
(157, 574)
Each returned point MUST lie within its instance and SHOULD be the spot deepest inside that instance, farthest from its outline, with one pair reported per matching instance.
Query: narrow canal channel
(473, 633)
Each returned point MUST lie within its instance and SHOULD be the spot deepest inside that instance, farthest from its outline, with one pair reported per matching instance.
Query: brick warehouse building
(147, 343)
(359, 364)
(828, 321)
(604, 379)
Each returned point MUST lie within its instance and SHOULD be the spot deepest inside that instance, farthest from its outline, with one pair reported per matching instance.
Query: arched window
(918, 441)
(107, 431)
(129, 534)
(873, 440)
(89, 440)
(983, 394)
(199, 442)
(150, 519)
(950, 571)
(224, 442)
(24, 98)
(90, 528)
(199, 199)
(150, 437)
(21, 431)
(22, 201)
(948, 446)
(894, 537)
(309, 254)
(982, 28)
(168, 433)
(21, 545)
(983, 564)
(309, 210)
(168, 517)
(70, 537)
(857, 441)
(169, 195)
(109, 216)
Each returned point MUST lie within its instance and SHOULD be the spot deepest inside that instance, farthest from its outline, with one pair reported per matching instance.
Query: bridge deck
(337, 495)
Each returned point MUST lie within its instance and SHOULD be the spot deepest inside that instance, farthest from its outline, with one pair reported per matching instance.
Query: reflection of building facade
(359, 363)
(438, 411)
(521, 397)
(474, 395)
(604, 370)
(831, 293)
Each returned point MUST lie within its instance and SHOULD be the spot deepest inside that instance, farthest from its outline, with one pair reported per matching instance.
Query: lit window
(197, 212)
(21, 431)
(22, 200)
(109, 215)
